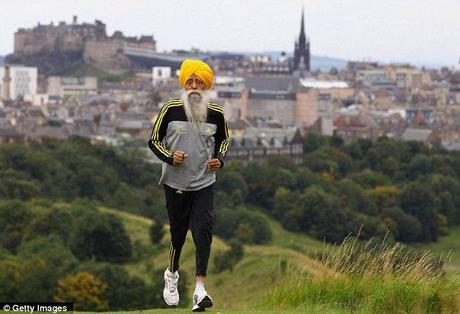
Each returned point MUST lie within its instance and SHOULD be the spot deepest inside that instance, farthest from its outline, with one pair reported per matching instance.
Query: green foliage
(102, 237)
(156, 232)
(253, 228)
(86, 291)
(312, 141)
(34, 273)
(56, 221)
(366, 183)
(418, 200)
(372, 277)
(124, 292)
(14, 216)
(242, 224)
(227, 260)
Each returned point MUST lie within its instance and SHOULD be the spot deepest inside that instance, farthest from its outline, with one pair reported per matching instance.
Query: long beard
(196, 106)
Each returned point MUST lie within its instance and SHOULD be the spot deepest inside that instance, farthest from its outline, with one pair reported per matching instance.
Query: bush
(14, 216)
(57, 221)
(87, 292)
(102, 237)
(243, 225)
(228, 259)
(156, 232)
(124, 292)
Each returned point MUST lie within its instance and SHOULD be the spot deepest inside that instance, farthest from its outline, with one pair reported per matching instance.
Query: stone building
(86, 41)
(17, 81)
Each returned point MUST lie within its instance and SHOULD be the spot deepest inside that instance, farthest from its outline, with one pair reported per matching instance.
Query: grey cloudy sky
(419, 31)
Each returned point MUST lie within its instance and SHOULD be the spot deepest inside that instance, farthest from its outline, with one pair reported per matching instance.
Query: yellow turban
(199, 68)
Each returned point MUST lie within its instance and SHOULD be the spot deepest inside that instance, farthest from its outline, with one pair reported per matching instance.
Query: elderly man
(190, 136)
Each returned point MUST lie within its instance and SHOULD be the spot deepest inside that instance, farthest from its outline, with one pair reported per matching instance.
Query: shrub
(228, 259)
(102, 237)
(156, 232)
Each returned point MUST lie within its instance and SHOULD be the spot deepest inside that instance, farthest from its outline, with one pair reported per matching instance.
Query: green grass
(83, 69)
(313, 291)
(251, 278)
(444, 245)
(368, 278)
(212, 310)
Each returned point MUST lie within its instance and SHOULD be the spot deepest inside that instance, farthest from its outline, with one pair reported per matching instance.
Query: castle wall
(33, 42)
(97, 48)
(107, 55)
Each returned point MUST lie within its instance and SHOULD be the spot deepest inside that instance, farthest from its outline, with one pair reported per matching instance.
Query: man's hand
(214, 164)
(178, 157)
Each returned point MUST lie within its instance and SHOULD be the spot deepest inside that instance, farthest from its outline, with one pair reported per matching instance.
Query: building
(289, 100)
(17, 81)
(72, 86)
(258, 143)
(301, 64)
(160, 75)
(86, 42)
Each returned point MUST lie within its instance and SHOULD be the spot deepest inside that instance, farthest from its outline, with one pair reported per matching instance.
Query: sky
(415, 31)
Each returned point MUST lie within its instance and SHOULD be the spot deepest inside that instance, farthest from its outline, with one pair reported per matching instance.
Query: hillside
(256, 272)
(259, 271)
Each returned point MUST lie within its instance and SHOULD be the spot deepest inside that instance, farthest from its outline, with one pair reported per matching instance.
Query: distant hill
(1, 60)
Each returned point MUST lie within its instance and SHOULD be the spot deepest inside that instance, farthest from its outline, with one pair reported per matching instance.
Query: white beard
(195, 106)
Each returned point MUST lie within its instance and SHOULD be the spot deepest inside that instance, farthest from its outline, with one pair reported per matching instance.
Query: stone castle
(87, 41)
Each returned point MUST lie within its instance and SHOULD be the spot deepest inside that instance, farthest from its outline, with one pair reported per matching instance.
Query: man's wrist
(221, 162)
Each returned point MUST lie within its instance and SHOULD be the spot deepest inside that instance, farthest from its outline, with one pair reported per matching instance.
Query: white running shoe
(170, 292)
(201, 300)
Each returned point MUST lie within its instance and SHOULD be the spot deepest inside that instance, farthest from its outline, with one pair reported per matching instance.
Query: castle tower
(302, 51)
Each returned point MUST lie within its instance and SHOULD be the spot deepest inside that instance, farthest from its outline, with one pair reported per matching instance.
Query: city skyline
(419, 32)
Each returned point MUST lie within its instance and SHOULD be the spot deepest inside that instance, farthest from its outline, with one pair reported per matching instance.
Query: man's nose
(194, 84)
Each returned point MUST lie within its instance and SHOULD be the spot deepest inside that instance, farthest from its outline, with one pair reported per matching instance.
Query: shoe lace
(171, 283)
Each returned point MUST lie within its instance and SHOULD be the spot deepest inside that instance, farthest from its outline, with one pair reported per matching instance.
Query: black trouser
(192, 209)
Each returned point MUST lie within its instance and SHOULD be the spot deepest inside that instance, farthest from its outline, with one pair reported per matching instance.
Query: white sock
(199, 285)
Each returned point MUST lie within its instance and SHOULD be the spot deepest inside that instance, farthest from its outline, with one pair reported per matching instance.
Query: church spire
(302, 28)
(302, 49)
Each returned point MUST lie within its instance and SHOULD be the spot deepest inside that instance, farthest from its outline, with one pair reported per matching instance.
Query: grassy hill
(251, 278)
(284, 276)
(448, 245)
(259, 272)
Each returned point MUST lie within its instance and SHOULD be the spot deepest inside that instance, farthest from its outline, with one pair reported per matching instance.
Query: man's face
(194, 83)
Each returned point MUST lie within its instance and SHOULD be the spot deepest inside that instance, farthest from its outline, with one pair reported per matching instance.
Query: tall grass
(370, 277)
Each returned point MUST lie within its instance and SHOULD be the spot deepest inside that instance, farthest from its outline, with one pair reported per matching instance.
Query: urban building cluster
(270, 103)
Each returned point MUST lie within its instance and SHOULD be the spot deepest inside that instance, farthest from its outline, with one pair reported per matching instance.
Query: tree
(420, 165)
(156, 232)
(404, 227)
(101, 236)
(312, 142)
(225, 223)
(353, 196)
(228, 259)
(87, 292)
(283, 201)
(14, 216)
(418, 200)
(124, 292)
(56, 221)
